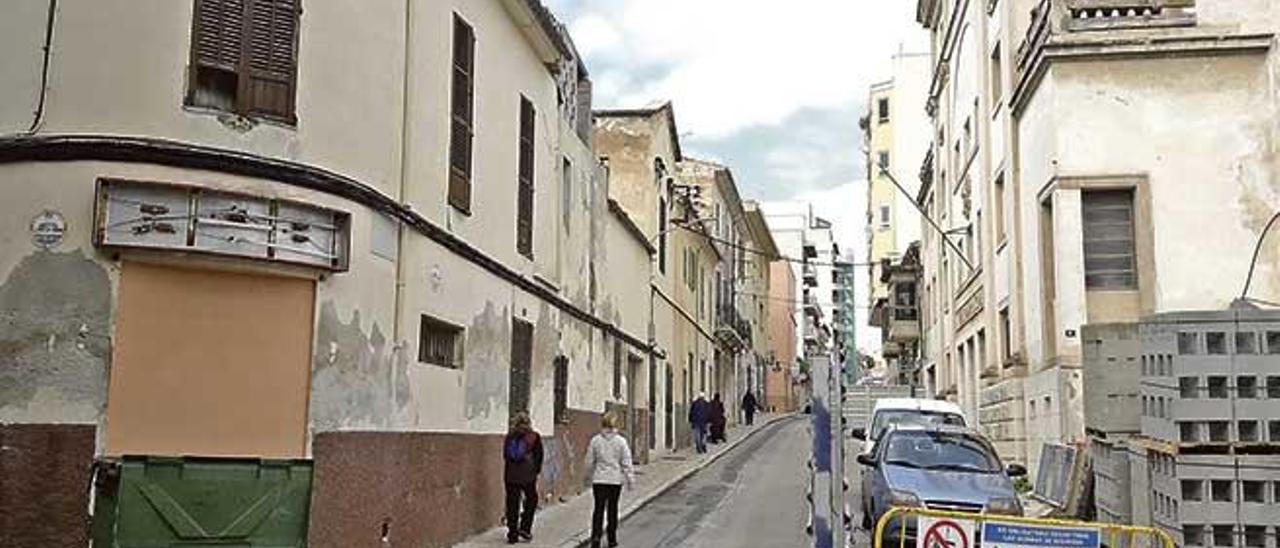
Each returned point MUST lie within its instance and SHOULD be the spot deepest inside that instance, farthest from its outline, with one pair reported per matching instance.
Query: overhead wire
(775, 256)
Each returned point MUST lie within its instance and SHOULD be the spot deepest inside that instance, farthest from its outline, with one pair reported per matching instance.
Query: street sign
(944, 533)
(1008, 535)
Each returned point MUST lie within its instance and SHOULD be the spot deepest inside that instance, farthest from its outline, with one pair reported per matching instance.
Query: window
(566, 193)
(462, 105)
(997, 73)
(1218, 388)
(1247, 387)
(1189, 387)
(1192, 490)
(1000, 220)
(561, 390)
(1221, 490)
(1188, 432)
(885, 217)
(1248, 431)
(1188, 344)
(1273, 388)
(1246, 342)
(1193, 535)
(521, 362)
(1254, 491)
(1006, 339)
(662, 235)
(1219, 431)
(1215, 342)
(244, 57)
(1255, 536)
(882, 159)
(617, 369)
(882, 108)
(524, 197)
(1224, 535)
(439, 343)
(1109, 261)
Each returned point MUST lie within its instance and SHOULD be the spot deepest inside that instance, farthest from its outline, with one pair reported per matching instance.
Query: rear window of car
(911, 417)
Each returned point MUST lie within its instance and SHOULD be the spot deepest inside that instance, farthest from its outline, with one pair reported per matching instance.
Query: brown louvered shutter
(461, 130)
(272, 58)
(216, 35)
(524, 199)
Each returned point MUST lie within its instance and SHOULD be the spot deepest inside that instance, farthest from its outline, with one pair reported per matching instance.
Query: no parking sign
(944, 533)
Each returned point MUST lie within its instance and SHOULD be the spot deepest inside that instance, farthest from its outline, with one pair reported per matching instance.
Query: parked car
(906, 411)
(936, 467)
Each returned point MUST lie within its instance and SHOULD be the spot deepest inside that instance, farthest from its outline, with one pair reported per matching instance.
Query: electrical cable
(1257, 250)
(774, 256)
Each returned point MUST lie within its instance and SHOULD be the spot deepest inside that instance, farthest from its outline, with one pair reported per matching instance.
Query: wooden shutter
(1109, 259)
(271, 63)
(521, 360)
(524, 199)
(216, 34)
(461, 130)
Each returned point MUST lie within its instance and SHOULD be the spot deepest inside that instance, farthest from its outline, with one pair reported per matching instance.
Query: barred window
(439, 343)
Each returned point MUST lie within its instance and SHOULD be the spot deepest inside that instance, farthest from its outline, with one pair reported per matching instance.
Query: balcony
(904, 325)
(732, 328)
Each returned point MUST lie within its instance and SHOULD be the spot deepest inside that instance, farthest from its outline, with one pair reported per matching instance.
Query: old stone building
(1093, 162)
(353, 237)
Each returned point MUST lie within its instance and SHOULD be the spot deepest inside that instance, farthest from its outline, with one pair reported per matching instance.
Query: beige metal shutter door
(210, 363)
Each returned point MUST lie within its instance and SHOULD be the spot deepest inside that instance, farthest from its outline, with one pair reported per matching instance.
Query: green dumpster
(154, 502)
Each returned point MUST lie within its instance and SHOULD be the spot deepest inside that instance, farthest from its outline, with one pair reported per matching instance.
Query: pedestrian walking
(699, 417)
(522, 452)
(750, 406)
(717, 419)
(609, 468)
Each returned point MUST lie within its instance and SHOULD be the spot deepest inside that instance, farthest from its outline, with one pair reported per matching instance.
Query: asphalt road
(750, 497)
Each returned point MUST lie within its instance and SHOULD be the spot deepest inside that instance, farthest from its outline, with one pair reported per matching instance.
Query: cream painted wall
(22, 35)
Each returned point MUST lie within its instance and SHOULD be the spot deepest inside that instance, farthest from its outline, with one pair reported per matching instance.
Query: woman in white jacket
(609, 467)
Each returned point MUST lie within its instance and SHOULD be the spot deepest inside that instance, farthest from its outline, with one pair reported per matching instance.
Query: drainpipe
(401, 243)
(38, 115)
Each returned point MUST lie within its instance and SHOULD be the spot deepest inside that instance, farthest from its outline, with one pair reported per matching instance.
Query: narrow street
(753, 496)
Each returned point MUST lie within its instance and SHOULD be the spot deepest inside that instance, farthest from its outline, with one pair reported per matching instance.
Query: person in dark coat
(717, 419)
(522, 452)
(749, 407)
(699, 416)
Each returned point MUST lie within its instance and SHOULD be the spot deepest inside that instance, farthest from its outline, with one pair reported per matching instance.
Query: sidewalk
(568, 525)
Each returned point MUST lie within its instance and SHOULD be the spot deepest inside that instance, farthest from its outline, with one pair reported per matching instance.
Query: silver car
(936, 467)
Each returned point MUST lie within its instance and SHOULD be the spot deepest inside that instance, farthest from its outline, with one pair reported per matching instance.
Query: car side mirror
(1015, 470)
(859, 434)
(867, 460)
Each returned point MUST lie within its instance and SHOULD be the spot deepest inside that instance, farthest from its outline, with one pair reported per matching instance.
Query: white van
(907, 412)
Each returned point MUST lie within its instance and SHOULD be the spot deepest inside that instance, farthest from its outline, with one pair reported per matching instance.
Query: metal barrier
(1011, 531)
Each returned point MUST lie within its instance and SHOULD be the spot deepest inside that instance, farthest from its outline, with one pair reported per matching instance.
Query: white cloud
(732, 64)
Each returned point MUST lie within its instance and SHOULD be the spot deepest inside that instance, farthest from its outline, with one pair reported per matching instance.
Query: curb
(583, 538)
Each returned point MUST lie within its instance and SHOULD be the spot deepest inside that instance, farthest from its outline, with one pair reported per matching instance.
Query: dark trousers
(518, 521)
(751, 417)
(606, 499)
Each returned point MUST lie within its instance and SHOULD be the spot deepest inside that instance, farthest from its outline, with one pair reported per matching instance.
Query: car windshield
(940, 451)
(911, 417)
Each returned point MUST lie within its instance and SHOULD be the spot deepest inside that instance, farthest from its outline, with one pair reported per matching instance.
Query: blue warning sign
(1008, 535)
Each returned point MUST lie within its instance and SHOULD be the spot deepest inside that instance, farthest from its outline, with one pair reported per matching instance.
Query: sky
(771, 88)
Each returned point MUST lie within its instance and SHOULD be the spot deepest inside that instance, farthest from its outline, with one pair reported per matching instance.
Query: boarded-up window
(461, 109)
(524, 198)
(521, 360)
(244, 57)
(561, 389)
(1109, 261)
(439, 343)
